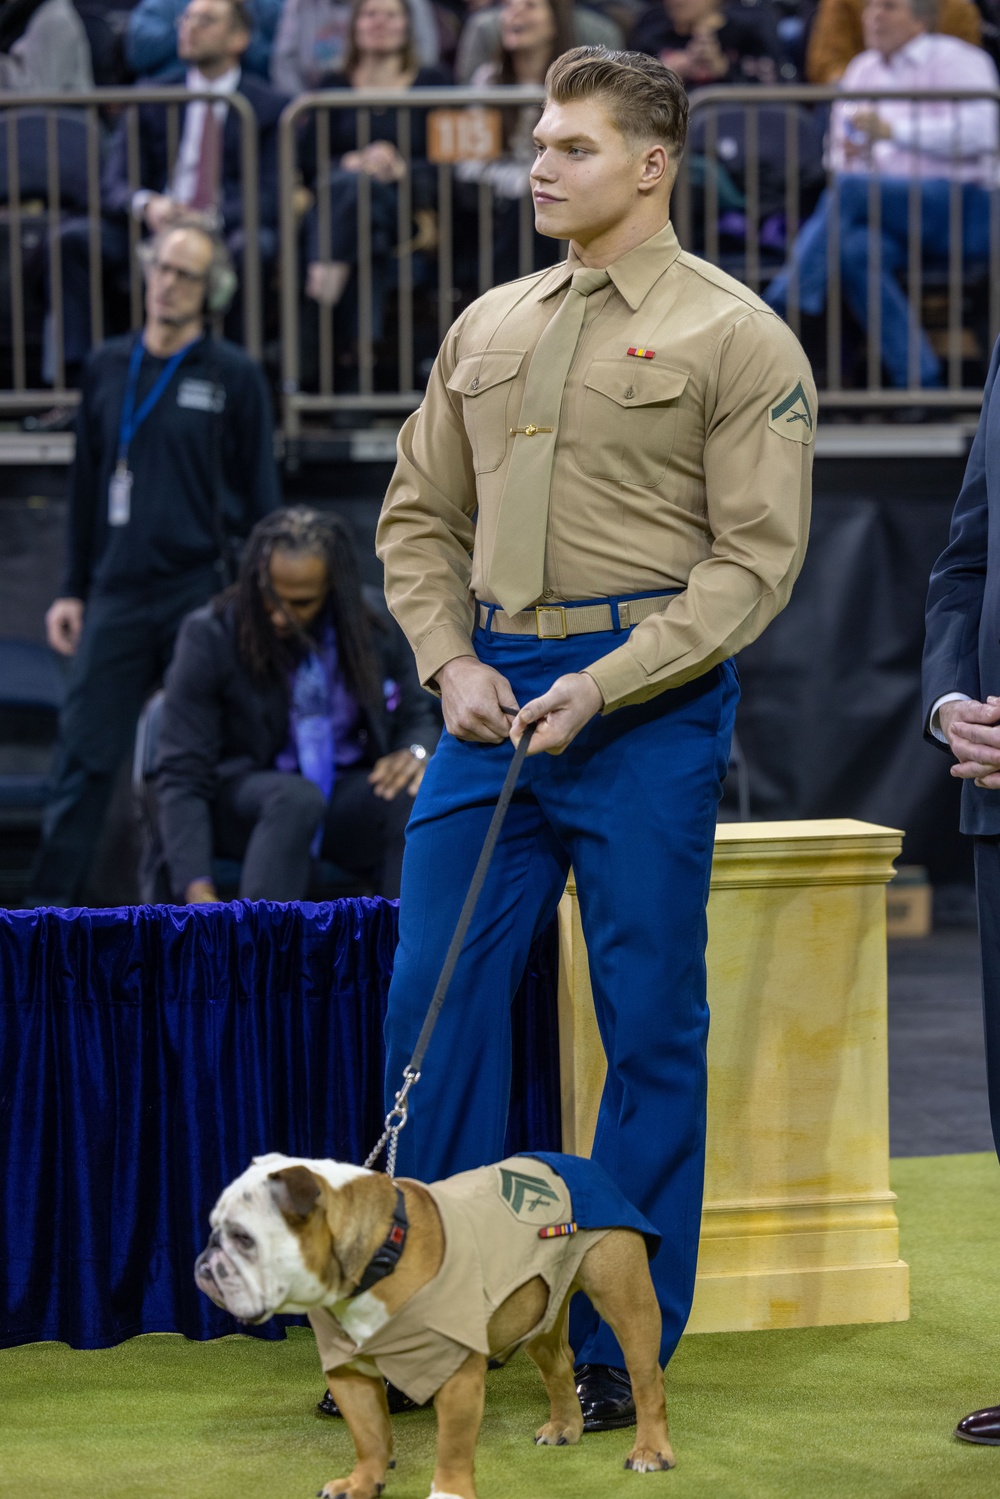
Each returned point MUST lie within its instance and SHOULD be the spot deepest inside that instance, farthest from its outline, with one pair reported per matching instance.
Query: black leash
(397, 1115)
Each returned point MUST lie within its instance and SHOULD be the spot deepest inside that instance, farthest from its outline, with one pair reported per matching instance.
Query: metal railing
(947, 273)
(53, 202)
(371, 353)
(446, 290)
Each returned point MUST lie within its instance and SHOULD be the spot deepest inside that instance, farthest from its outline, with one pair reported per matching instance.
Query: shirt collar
(226, 83)
(633, 275)
(913, 53)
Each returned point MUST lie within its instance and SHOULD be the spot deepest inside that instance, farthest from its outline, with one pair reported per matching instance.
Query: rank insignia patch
(642, 353)
(793, 417)
(533, 1199)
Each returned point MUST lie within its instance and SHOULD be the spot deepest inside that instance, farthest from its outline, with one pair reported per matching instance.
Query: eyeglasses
(196, 21)
(185, 277)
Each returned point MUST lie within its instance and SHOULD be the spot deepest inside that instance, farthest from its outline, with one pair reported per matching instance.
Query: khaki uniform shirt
(491, 1217)
(689, 470)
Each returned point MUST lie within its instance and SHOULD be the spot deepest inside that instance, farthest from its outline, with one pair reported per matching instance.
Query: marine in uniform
(604, 496)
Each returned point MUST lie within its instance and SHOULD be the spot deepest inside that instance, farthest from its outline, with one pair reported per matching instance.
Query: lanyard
(131, 420)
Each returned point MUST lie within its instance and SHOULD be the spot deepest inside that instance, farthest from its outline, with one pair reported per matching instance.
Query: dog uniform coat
(491, 1219)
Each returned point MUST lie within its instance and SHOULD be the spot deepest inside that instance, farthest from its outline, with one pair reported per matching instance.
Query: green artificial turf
(838, 1412)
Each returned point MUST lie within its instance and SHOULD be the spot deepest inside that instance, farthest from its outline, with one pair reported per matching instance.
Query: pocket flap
(634, 382)
(475, 373)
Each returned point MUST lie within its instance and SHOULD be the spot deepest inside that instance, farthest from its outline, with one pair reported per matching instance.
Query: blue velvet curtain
(147, 1053)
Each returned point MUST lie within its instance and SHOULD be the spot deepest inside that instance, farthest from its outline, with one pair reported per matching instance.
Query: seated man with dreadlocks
(293, 723)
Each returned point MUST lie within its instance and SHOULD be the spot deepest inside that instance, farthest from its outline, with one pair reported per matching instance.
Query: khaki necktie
(515, 574)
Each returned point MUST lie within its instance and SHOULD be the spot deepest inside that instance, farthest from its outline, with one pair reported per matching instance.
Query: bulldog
(423, 1284)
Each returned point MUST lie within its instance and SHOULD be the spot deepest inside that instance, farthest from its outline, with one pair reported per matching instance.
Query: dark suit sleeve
(116, 199)
(958, 582)
(83, 500)
(189, 749)
(253, 472)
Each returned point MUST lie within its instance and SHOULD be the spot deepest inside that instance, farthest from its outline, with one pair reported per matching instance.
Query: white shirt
(185, 178)
(931, 138)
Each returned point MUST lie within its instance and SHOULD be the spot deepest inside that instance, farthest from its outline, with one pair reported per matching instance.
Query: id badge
(120, 497)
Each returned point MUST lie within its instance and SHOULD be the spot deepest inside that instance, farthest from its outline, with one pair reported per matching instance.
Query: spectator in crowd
(206, 177)
(481, 44)
(293, 723)
(533, 33)
(837, 34)
(174, 455)
(151, 41)
(313, 41)
(937, 143)
(705, 41)
(381, 54)
(43, 48)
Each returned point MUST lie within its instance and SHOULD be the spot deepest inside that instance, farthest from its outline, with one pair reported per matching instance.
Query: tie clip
(529, 430)
(642, 353)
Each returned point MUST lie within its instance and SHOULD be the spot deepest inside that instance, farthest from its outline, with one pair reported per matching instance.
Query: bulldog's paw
(645, 1460)
(350, 1488)
(559, 1433)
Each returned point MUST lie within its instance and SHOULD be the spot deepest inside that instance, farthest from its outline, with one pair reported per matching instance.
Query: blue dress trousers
(631, 805)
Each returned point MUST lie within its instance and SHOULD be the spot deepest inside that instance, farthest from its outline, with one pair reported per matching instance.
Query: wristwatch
(418, 752)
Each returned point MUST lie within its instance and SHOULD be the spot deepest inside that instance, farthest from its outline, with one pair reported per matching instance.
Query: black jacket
(154, 162)
(204, 458)
(219, 723)
(962, 651)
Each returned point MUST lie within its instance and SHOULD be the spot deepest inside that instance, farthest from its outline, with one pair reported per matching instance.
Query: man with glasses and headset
(174, 456)
(205, 176)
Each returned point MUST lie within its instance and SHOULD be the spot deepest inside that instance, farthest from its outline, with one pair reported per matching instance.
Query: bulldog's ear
(295, 1190)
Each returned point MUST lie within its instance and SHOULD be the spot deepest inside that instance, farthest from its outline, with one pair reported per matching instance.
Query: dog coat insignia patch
(527, 1196)
(638, 353)
(557, 1231)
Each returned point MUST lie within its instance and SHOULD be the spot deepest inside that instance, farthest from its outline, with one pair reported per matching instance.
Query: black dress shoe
(398, 1403)
(605, 1397)
(981, 1426)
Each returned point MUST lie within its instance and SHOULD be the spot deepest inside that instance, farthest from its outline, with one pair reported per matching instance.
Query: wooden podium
(799, 1228)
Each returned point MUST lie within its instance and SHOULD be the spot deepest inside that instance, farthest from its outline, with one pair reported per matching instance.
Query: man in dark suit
(205, 177)
(293, 722)
(962, 714)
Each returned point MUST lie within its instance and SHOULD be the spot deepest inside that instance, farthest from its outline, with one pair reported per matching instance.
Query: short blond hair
(645, 100)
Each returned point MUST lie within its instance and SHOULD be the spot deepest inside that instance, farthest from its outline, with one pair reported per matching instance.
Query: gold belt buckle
(553, 628)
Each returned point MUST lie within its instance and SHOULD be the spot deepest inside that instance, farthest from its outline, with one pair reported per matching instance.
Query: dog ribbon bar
(557, 1231)
(642, 353)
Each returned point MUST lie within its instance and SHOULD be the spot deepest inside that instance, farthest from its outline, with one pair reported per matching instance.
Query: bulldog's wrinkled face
(270, 1248)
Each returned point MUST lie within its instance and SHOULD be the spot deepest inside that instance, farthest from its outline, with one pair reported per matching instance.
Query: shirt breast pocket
(630, 412)
(485, 383)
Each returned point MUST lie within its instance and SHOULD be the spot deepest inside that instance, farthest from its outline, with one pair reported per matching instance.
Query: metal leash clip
(395, 1120)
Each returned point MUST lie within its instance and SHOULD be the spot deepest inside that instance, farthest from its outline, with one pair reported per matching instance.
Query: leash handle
(397, 1116)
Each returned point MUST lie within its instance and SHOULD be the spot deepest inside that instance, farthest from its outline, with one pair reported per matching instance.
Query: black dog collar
(385, 1259)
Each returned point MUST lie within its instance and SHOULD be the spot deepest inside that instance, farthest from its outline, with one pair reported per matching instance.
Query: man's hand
(201, 893)
(559, 714)
(472, 699)
(64, 625)
(973, 733)
(399, 771)
(871, 124)
(158, 212)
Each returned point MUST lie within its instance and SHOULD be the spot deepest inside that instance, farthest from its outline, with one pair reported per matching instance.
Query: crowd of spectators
(271, 51)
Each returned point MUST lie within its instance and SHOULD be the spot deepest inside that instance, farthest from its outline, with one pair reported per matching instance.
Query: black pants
(268, 820)
(988, 897)
(127, 642)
